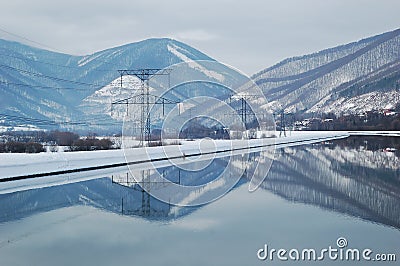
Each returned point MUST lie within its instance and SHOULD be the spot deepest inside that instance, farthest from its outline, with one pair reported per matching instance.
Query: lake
(313, 197)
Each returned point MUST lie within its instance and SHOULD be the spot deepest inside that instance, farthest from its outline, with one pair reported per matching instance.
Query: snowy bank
(27, 171)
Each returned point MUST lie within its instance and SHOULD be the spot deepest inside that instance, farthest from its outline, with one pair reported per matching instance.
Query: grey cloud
(249, 35)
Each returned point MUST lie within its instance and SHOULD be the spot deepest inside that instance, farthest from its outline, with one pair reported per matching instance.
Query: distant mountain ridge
(333, 80)
(45, 85)
(49, 87)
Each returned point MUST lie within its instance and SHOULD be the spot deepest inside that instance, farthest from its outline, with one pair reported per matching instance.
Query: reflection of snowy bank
(345, 180)
(371, 159)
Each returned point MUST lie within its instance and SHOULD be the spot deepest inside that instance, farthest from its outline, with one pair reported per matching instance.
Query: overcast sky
(249, 35)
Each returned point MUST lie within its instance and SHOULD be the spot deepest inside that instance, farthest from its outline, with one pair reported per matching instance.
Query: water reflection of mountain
(99, 193)
(351, 180)
(354, 181)
(123, 198)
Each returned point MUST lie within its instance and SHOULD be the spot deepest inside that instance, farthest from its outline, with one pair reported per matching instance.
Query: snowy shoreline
(20, 165)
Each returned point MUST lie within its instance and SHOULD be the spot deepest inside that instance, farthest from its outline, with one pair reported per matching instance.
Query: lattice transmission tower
(144, 98)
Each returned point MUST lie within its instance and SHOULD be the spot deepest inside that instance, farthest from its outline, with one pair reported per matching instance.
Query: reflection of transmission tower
(144, 186)
(144, 98)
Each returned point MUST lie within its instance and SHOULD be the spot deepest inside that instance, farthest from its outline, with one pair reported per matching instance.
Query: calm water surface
(312, 196)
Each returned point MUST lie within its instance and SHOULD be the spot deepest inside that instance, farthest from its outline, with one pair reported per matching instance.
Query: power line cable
(52, 64)
(48, 77)
(9, 84)
(55, 123)
(41, 45)
(29, 40)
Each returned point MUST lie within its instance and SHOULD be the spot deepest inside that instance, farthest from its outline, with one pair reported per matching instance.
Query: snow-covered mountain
(48, 86)
(52, 88)
(351, 78)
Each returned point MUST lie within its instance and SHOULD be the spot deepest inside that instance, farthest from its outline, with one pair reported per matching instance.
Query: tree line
(369, 122)
(35, 142)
